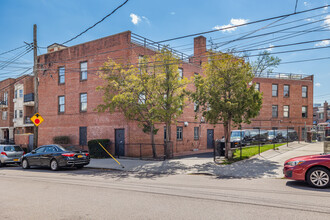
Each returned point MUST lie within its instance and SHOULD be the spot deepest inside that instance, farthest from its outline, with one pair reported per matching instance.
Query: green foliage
(150, 93)
(96, 151)
(61, 140)
(225, 90)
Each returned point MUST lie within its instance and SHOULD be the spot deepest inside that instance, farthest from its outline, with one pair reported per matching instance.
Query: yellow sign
(37, 119)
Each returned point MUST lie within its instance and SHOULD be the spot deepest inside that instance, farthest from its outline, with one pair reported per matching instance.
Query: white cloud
(270, 48)
(306, 4)
(317, 84)
(327, 21)
(322, 43)
(233, 22)
(172, 13)
(146, 19)
(135, 18)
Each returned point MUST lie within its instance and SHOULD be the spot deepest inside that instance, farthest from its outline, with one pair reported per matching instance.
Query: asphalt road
(104, 194)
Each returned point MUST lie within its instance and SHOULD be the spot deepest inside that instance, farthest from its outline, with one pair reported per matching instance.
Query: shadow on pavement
(305, 186)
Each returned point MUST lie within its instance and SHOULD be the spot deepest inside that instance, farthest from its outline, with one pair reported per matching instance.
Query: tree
(264, 62)
(224, 93)
(152, 93)
(130, 90)
(171, 90)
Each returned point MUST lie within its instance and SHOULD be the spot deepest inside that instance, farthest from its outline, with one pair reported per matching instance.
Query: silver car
(10, 154)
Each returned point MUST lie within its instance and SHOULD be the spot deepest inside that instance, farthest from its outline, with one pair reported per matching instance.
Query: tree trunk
(227, 130)
(152, 135)
(168, 141)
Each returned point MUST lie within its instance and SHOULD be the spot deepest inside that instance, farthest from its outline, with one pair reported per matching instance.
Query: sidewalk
(267, 165)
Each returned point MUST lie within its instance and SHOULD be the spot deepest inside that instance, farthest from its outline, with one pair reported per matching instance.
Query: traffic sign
(37, 119)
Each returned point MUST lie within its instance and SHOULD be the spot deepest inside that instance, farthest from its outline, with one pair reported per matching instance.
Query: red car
(314, 169)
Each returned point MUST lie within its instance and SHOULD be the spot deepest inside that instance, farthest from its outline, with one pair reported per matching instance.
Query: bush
(96, 151)
(61, 140)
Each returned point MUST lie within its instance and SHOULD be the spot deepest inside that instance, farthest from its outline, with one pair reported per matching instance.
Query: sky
(60, 20)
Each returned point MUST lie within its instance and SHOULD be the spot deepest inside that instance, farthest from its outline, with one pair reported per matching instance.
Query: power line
(96, 23)
(12, 50)
(307, 60)
(248, 23)
(15, 58)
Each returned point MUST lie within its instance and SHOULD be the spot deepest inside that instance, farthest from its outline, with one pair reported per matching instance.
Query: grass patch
(248, 152)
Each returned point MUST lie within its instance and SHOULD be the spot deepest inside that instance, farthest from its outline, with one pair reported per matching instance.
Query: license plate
(80, 156)
(16, 160)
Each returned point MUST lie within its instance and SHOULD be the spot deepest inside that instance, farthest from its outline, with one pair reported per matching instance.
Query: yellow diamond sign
(37, 119)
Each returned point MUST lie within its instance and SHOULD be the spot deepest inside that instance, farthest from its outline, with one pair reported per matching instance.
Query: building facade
(68, 97)
(321, 113)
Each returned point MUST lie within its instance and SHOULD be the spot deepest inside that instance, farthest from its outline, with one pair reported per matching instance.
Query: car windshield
(237, 134)
(69, 148)
(13, 148)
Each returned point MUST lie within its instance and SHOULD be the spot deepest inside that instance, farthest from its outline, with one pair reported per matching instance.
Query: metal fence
(255, 140)
(143, 151)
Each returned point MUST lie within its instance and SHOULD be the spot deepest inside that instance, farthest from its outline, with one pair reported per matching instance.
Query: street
(105, 194)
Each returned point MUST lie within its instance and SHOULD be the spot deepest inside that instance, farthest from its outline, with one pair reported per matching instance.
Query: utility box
(326, 145)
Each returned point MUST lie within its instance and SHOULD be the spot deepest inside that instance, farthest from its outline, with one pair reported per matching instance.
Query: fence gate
(210, 138)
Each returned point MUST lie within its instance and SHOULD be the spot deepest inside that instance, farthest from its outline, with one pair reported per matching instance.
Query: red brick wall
(103, 125)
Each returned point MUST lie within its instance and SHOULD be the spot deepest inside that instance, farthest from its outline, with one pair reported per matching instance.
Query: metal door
(120, 142)
(210, 138)
(83, 136)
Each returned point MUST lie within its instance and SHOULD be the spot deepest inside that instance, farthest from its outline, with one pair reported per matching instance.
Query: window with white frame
(274, 111)
(196, 133)
(61, 75)
(61, 104)
(304, 111)
(304, 91)
(274, 90)
(180, 73)
(83, 102)
(286, 91)
(179, 131)
(286, 111)
(4, 115)
(83, 71)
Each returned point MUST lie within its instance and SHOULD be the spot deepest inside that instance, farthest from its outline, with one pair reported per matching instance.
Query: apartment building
(68, 97)
(7, 109)
(321, 113)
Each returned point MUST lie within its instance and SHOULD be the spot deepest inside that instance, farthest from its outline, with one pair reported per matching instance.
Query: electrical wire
(96, 23)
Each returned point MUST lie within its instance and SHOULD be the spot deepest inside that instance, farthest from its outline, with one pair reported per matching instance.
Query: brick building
(16, 106)
(68, 97)
(321, 113)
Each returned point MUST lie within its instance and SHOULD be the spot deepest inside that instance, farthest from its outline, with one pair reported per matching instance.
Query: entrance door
(120, 142)
(83, 136)
(210, 138)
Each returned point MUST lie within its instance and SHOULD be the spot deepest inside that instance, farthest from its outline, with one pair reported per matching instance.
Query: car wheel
(79, 166)
(318, 177)
(1, 164)
(54, 165)
(25, 164)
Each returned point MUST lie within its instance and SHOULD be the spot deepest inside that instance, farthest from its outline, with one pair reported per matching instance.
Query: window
(274, 111)
(196, 133)
(40, 150)
(321, 115)
(196, 106)
(21, 93)
(15, 94)
(21, 113)
(274, 90)
(83, 102)
(304, 111)
(61, 104)
(83, 71)
(15, 114)
(5, 98)
(180, 73)
(286, 91)
(61, 75)
(4, 115)
(304, 91)
(257, 88)
(286, 111)
(179, 133)
(142, 98)
(164, 132)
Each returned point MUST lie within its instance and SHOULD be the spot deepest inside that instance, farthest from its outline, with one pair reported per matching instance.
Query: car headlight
(295, 163)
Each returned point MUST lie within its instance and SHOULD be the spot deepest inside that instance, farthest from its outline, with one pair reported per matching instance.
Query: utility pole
(36, 83)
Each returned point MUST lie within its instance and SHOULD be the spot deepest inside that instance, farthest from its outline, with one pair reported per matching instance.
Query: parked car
(55, 157)
(10, 154)
(247, 137)
(314, 169)
(275, 136)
